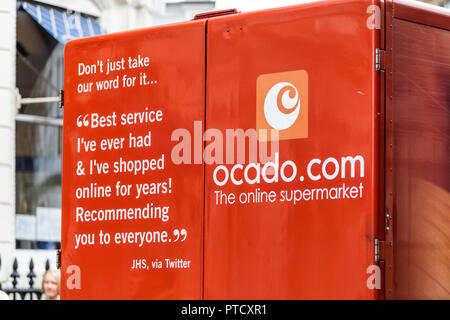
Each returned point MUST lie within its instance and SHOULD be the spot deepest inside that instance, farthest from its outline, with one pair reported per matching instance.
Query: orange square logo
(282, 104)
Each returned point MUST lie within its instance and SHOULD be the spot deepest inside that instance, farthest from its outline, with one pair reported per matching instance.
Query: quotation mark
(83, 121)
(180, 234)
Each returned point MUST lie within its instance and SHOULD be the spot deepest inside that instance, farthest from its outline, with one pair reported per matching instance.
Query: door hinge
(380, 59)
(379, 250)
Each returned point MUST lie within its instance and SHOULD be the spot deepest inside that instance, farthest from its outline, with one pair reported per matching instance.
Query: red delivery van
(292, 153)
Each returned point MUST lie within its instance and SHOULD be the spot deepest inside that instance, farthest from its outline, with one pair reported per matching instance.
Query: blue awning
(62, 25)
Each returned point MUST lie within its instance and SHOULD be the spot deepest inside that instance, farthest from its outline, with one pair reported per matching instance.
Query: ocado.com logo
(282, 104)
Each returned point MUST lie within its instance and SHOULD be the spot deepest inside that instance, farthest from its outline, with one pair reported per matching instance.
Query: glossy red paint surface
(416, 170)
(319, 247)
(106, 270)
(421, 107)
(316, 248)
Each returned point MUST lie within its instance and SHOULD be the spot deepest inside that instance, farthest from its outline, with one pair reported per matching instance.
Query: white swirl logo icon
(282, 105)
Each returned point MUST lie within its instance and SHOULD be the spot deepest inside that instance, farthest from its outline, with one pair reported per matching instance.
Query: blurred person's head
(50, 285)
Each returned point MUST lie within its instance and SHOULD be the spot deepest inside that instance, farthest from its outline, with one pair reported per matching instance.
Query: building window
(39, 159)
